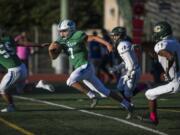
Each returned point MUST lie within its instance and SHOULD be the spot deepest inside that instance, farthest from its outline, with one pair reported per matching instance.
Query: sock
(125, 103)
(153, 116)
(11, 105)
(91, 95)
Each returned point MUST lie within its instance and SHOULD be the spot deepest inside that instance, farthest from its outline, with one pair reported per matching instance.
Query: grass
(43, 119)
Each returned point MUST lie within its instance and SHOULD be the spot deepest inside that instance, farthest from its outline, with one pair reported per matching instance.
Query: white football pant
(86, 74)
(169, 88)
(14, 77)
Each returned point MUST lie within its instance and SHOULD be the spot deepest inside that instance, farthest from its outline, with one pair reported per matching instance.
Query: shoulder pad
(160, 46)
(123, 47)
(60, 41)
(79, 35)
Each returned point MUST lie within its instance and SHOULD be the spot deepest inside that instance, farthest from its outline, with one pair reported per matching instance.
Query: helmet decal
(157, 29)
(67, 24)
(161, 30)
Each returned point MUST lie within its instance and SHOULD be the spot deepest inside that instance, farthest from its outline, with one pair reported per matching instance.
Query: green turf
(43, 119)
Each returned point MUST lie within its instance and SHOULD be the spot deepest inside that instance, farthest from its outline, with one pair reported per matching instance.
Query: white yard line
(95, 114)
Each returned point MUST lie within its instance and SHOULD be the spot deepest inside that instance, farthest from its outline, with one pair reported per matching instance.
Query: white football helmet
(67, 25)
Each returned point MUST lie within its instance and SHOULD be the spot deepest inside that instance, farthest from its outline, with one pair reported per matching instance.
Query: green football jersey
(8, 57)
(76, 47)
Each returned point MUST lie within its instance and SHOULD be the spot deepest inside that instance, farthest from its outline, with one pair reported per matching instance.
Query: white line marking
(95, 114)
(163, 99)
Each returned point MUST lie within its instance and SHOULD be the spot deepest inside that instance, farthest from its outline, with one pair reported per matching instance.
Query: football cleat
(94, 102)
(148, 119)
(129, 107)
(42, 84)
(129, 116)
(10, 108)
(130, 111)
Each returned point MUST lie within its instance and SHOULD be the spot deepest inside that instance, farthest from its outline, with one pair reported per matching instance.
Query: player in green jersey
(16, 71)
(83, 77)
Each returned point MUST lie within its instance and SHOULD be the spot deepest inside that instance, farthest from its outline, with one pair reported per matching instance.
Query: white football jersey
(127, 53)
(172, 46)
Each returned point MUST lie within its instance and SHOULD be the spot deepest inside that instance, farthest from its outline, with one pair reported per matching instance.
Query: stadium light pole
(61, 64)
(64, 14)
(64, 9)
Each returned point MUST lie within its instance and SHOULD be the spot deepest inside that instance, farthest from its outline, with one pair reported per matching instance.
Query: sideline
(21, 130)
(95, 114)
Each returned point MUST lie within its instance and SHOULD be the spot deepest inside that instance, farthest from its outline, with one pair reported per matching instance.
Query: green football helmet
(118, 33)
(161, 30)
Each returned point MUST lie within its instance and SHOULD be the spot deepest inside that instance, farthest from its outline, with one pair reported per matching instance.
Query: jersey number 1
(71, 52)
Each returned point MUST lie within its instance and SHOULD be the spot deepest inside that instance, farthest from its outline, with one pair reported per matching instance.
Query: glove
(116, 68)
(128, 81)
(126, 77)
(113, 69)
(131, 74)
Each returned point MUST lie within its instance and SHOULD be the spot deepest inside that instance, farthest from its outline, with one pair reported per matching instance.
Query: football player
(75, 42)
(131, 75)
(16, 72)
(168, 50)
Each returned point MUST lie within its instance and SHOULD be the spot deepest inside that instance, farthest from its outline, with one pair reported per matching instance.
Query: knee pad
(149, 95)
(130, 84)
(68, 82)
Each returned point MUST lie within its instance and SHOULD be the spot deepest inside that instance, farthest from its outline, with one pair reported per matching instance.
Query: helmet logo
(157, 29)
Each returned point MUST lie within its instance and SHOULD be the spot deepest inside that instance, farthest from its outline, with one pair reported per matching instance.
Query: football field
(67, 112)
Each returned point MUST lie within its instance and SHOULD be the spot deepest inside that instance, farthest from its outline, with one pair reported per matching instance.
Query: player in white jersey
(168, 50)
(129, 80)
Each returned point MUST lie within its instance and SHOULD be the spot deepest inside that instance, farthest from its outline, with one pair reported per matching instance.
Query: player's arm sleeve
(161, 49)
(54, 50)
(163, 62)
(124, 51)
(117, 68)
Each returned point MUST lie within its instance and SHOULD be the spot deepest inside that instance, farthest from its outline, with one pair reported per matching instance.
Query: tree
(18, 15)
(87, 13)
